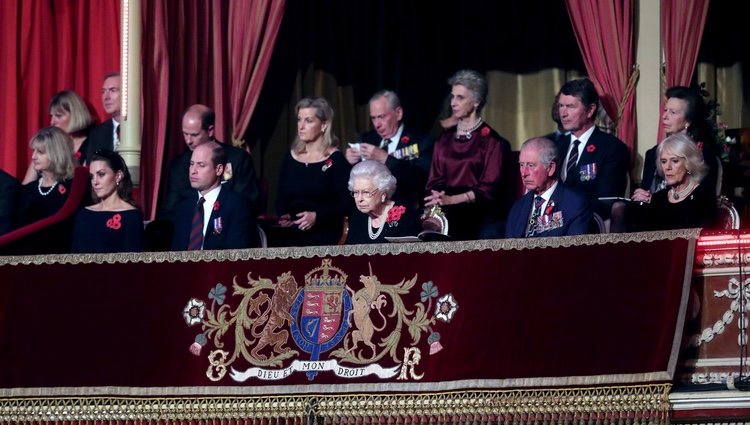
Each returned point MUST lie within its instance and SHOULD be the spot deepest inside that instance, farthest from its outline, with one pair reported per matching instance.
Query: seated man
(239, 175)
(217, 218)
(548, 208)
(407, 154)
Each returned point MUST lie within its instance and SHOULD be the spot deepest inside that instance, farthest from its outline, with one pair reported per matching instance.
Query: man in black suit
(595, 163)
(239, 173)
(406, 153)
(107, 135)
(548, 208)
(8, 201)
(217, 218)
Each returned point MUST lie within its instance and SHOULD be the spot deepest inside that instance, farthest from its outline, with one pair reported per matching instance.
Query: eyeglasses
(364, 193)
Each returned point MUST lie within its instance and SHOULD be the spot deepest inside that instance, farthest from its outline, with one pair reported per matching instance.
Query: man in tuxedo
(214, 217)
(406, 153)
(548, 208)
(9, 189)
(594, 162)
(239, 173)
(107, 134)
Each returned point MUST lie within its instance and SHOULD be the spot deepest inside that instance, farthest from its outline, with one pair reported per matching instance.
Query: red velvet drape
(212, 52)
(253, 28)
(604, 31)
(48, 46)
(682, 24)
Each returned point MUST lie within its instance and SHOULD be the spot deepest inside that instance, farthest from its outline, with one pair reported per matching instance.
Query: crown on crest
(326, 275)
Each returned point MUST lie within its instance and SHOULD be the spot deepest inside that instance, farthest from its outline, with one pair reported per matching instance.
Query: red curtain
(48, 46)
(682, 24)
(604, 31)
(213, 52)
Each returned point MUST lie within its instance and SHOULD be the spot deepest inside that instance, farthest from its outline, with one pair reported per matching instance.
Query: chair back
(728, 217)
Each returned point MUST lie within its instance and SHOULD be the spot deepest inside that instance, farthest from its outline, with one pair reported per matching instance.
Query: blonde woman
(52, 161)
(313, 198)
(69, 113)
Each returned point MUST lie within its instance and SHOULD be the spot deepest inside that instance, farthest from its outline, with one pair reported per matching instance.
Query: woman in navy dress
(52, 161)
(312, 196)
(113, 223)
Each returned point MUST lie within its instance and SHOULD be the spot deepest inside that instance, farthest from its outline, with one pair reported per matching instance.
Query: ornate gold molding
(350, 250)
(623, 404)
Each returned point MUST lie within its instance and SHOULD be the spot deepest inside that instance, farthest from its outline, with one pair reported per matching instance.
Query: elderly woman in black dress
(378, 217)
(113, 223)
(687, 201)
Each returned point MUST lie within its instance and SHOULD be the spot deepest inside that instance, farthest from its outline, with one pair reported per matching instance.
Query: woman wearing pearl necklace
(468, 165)
(688, 201)
(52, 159)
(378, 217)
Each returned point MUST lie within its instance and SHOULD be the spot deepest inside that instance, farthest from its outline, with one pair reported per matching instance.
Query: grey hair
(379, 174)
(681, 145)
(548, 152)
(390, 96)
(474, 82)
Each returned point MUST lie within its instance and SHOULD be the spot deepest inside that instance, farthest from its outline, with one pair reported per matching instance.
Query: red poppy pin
(591, 148)
(77, 155)
(216, 206)
(328, 164)
(61, 189)
(485, 131)
(405, 139)
(115, 222)
(700, 146)
(394, 215)
(550, 207)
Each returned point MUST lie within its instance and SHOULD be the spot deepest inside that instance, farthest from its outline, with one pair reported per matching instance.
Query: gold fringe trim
(350, 250)
(622, 404)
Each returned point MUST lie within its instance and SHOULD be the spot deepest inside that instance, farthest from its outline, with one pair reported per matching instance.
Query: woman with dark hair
(113, 223)
(687, 201)
(312, 198)
(467, 164)
(685, 112)
(69, 113)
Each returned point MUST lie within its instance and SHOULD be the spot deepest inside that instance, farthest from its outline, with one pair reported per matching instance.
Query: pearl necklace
(676, 195)
(467, 131)
(39, 188)
(370, 233)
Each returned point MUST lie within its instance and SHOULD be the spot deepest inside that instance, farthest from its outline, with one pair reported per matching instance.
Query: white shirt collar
(208, 206)
(395, 139)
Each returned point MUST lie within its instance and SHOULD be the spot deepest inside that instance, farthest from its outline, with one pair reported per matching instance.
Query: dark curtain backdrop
(347, 50)
(47, 46)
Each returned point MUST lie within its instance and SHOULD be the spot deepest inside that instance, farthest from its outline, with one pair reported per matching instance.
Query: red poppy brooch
(591, 148)
(216, 206)
(405, 139)
(61, 189)
(394, 215)
(328, 164)
(115, 222)
(485, 131)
